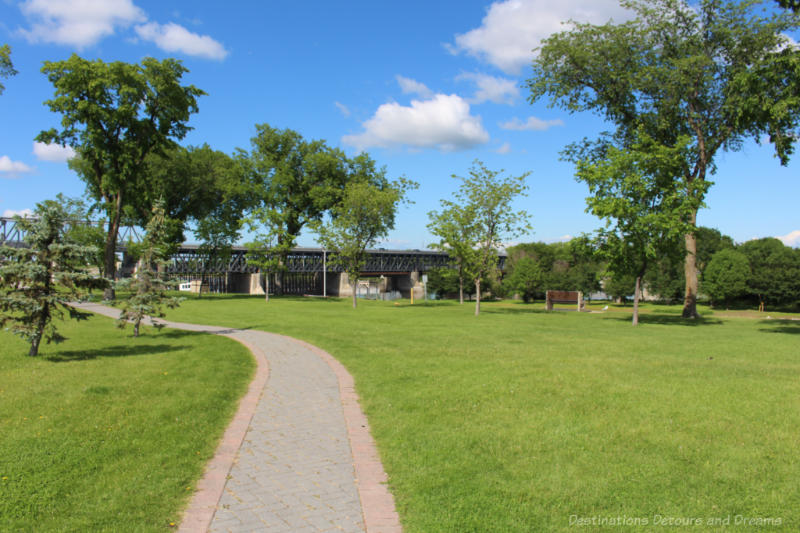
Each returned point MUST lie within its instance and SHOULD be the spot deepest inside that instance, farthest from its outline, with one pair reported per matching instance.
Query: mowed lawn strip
(105, 432)
(518, 419)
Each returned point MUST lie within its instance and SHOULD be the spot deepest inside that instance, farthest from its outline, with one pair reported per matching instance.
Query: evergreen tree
(38, 282)
(148, 286)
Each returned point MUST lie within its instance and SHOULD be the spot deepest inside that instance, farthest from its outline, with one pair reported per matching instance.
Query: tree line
(124, 122)
(757, 273)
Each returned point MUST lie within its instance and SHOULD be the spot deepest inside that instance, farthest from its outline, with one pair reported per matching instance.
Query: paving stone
(294, 471)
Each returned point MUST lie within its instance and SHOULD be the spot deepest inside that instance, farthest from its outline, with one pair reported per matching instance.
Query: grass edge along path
(109, 433)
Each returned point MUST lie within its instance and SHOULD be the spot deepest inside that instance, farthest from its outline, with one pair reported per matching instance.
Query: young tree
(115, 115)
(39, 281)
(365, 214)
(716, 73)
(6, 66)
(726, 275)
(644, 209)
(455, 227)
(486, 198)
(149, 289)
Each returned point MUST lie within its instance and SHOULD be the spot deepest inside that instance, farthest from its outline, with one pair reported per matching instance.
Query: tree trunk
(353, 287)
(279, 282)
(136, 328)
(34, 351)
(690, 272)
(461, 289)
(110, 252)
(266, 287)
(477, 297)
(636, 300)
(36, 341)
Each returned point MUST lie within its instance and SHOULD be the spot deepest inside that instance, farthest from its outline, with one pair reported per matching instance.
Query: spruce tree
(148, 286)
(41, 279)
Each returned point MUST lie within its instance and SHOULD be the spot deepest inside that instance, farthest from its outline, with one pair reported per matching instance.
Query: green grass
(518, 419)
(105, 432)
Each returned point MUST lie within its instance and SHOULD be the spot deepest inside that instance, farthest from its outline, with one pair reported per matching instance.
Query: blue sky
(425, 87)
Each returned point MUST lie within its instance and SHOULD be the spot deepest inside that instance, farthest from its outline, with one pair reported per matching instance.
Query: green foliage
(566, 266)
(6, 66)
(455, 227)
(365, 214)
(149, 290)
(526, 279)
(482, 216)
(774, 271)
(794, 5)
(115, 115)
(80, 228)
(646, 212)
(726, 275)
(699, 80)
(38, 281)
(267, 252)
(619, 286)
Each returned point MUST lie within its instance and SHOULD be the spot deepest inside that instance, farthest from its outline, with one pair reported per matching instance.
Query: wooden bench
(564, 297)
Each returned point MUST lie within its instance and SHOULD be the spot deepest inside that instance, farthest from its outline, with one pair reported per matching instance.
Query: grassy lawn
(519, 419)
(109, 433)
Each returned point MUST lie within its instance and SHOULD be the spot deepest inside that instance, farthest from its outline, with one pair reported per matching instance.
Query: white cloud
(791, 239)
(175, 38)
(9, 213)
(409, 86)
(442, 122)
(342, 108)
(79, 23)
(52, 152)
(12, 169)
(532, 124)
(504, 149)
(491, 88)
(511, 29)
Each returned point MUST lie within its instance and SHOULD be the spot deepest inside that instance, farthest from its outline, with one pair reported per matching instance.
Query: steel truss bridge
(306, 268)
(190, 260)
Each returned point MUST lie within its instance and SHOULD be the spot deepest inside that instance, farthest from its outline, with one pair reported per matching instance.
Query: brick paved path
(298, 456)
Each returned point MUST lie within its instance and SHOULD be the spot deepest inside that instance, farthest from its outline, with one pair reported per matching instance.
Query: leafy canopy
(365, 214)
(702, 78)
(115, 115)
(6, 66)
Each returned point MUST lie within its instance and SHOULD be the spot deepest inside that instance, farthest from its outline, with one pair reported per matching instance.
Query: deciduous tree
(717, 73)
(293, 181)
(114, 115)
(6, 66)
(487, 197)
(634, 192)
(455, 227)
(774, 272)
(365, 214)
(726, 275)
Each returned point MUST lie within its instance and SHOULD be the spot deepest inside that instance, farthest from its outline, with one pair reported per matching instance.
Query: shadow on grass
(67, 356)
(781, 326)
(666, 320)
